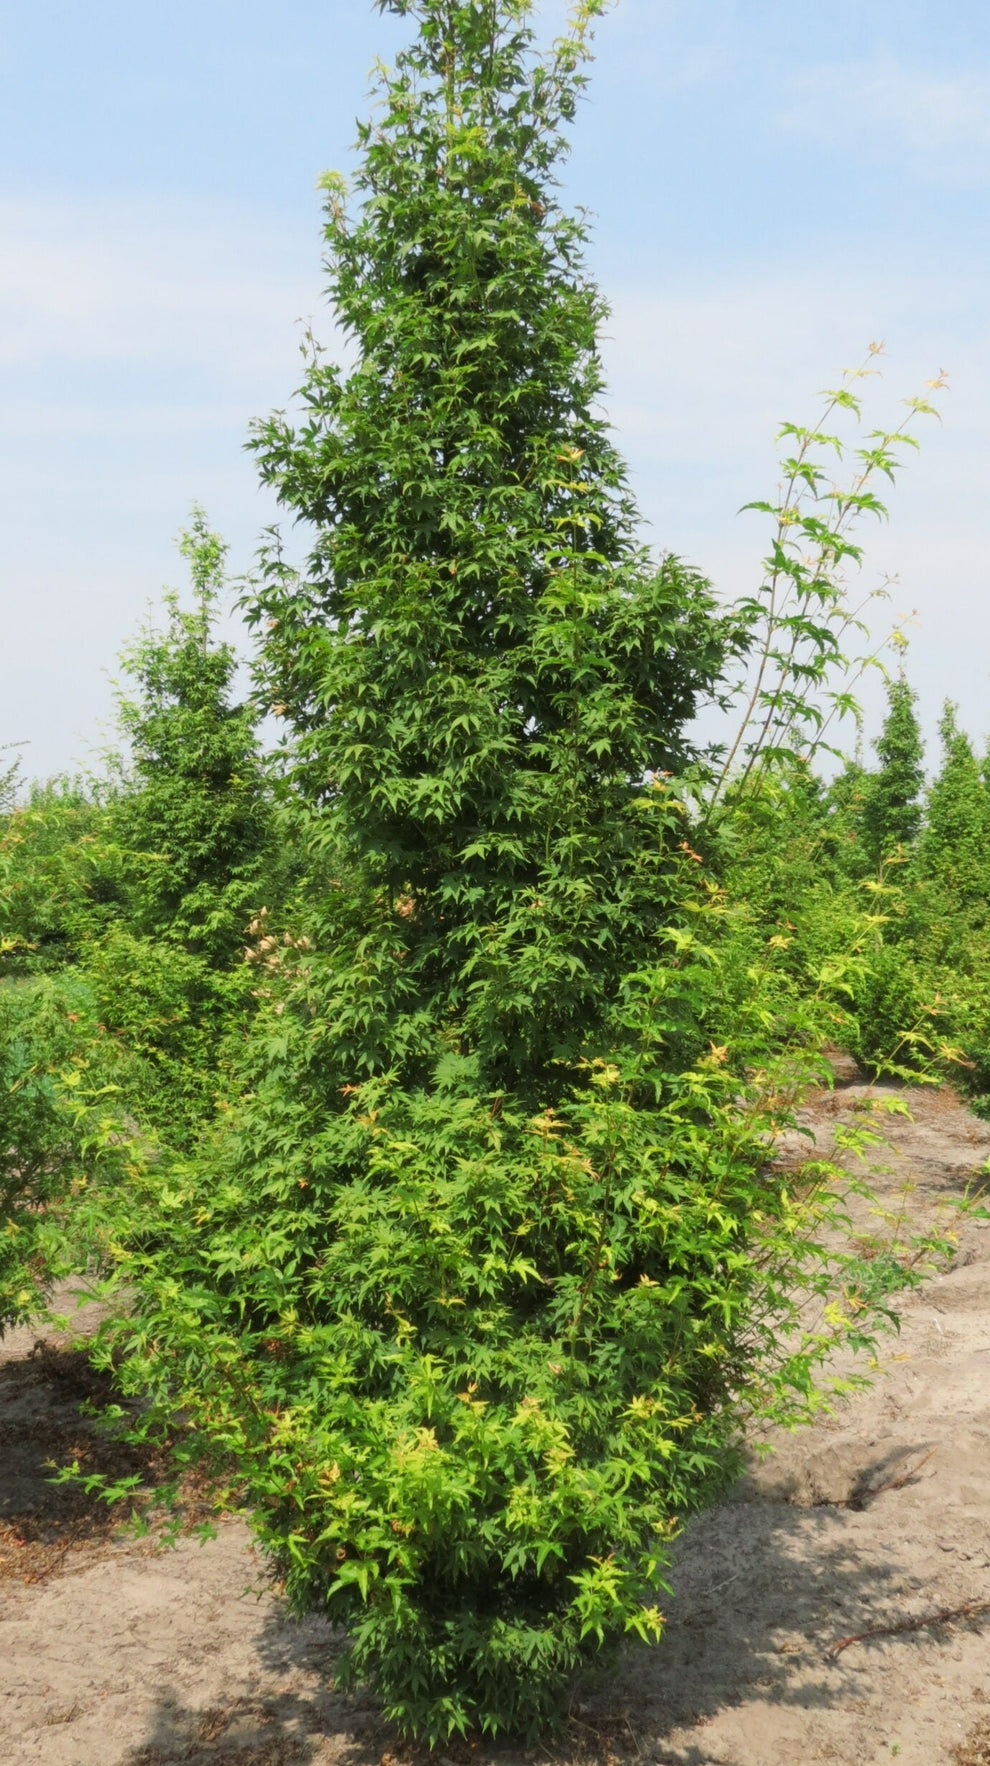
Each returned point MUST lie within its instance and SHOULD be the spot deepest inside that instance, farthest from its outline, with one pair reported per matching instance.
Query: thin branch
(970, 1609)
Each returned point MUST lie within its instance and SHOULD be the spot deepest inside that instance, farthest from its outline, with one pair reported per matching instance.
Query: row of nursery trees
(914, 857)
(410, 1091)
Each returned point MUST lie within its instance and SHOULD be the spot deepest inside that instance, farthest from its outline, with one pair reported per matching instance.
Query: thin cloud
(128, 284)
(941, 122)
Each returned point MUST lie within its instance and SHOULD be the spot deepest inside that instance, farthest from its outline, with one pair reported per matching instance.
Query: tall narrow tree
(892, 796)
(196, 811)
(952, 853)
(466, 1287)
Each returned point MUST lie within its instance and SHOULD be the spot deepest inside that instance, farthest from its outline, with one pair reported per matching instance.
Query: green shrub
(896, 1023)
(39, 1143)
(471, 1366)
(62, 880)
(169, 1013)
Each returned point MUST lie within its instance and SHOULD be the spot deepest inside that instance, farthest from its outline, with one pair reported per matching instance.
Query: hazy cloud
(118, 282)
(135, 345)
(941, 122)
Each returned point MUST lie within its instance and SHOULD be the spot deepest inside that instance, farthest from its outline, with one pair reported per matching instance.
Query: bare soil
(837, 1608)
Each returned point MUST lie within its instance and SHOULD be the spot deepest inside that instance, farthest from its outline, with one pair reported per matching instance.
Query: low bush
(39, 1141)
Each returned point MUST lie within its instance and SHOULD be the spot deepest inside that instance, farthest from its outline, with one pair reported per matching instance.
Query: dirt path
(114, 1655)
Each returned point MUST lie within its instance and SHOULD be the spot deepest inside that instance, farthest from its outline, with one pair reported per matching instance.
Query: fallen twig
(861, 1498)
(968, 1610)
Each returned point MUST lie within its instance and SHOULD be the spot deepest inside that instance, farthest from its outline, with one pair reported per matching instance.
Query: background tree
(892, 802)
(952, 852)
(195, 812)
(192, 820)
(62, 881)
(124, 906)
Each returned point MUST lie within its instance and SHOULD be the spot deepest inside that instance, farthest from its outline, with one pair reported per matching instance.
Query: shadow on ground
(252, 1732)
(43, 1425)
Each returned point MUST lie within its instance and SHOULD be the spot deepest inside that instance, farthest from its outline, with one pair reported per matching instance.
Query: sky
(775, 184)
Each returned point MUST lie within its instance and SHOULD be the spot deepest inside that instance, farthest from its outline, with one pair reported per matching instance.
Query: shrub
(39, 1143)
(472, 1364)
(61, 878)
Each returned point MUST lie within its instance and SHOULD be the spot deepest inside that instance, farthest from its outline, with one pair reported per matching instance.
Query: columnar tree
(892, 798)
(952, 854)
(194, 811)
(467, 1287)
(192, 827)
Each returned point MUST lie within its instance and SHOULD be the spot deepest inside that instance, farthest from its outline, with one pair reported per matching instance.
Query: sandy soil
(113, 1653)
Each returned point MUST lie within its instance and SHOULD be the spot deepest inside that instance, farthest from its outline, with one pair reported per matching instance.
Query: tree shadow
(246, 1732)
(280, 1728)
(51, 1399)
(763, 1588)
(44, 1425)
(764, 1591)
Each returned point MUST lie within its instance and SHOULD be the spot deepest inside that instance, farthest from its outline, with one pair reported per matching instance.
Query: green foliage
(479, 662)
(196, 818)
(472, 1283)
(61, 879)
(797, 860)
(170, 1011)
(445, 1216)
(952, 852)
(136, 899)
(192, 828)
(35, 1136)
(947, 927)
(471, 1366)
(847, 796)
(892, 807)
(10, 777)
(45, 1024)
(847, 869)
(800, 677)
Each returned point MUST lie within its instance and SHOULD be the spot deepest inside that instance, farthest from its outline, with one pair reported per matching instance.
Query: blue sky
(774, 184)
